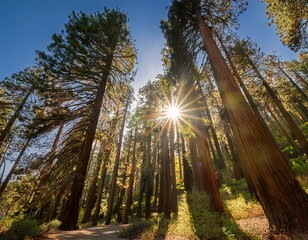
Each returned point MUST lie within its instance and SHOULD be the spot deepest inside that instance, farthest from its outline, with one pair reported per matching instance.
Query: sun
(172, 112)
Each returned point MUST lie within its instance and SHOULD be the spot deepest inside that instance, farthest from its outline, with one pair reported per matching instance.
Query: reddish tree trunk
(116, 167)
(129, 194)
(284, 201)
(71, 211)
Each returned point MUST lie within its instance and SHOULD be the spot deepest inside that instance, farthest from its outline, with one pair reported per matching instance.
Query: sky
(27, 25)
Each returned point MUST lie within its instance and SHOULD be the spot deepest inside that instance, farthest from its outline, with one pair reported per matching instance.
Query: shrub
(53, 225)
(209, 224)
(22, 228)
(300, 165)
(134, 230)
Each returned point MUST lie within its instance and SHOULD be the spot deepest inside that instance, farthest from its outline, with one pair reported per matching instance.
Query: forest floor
(245, 220)
(105, 232)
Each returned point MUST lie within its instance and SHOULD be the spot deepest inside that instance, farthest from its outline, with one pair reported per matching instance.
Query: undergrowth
(22, 227)
(209, 224)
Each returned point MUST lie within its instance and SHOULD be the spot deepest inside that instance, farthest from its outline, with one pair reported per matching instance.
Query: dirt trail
(103, 232)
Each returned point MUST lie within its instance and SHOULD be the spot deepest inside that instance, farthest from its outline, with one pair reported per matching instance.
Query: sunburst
(173, 112)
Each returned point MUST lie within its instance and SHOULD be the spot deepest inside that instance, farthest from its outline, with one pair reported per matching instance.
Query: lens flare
(172, 112)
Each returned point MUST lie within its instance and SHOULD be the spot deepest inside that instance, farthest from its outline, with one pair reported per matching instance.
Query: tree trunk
(11, 172)
(282, 128)
(161, 176)
(71, 211)
(203, 163)
(294, 84)
(195, 163)
(220, 160)
(166, 186)
(179, 152)
(303, 81)
(116, 167)
(92, 191)
(12, 120)
(237, 170)
(242, 85)
(129, 197)
(284, 201)
(3, 160)
(101, 182)
(103, 172)
(187, 168)
(174, 201)
(118, 206)
(53, 210)
(296, 132)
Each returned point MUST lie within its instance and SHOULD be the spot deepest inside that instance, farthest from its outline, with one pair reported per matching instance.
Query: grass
(195, 220)
(209, 224)
(179, 226)
(22, 227)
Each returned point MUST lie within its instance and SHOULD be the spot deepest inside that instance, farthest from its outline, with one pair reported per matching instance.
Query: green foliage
(290, 18)
(300, 165)
(53, 225)
(209, 224)
(181, 225)
(134, 230)
(14, 199)
(20, 228)
(240, 207)
(304, 128)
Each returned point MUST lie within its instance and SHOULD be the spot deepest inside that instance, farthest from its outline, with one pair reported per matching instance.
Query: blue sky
(27, 25)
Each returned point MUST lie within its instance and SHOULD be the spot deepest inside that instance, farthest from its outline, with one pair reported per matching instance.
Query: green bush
(53, 225)
(209, 224)
(22, 228)
(300, 165)
(134, 230)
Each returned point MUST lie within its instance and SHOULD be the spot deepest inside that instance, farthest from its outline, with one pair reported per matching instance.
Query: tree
(17, 161)
(91, 51)
(116, 164)
(243, 48)
(129, 194)
(182, 69)
(263, 163)
(105, 151)
(291, 20)
(24, 84)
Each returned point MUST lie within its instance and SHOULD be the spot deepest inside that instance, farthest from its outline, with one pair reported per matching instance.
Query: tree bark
(179, 152)
(296, 132)
(92, 191)
(166, 186)
(284, 201)
(294, 84)
(129, 197)
(118, 206)
(187, 168)
(174, 201)
(71, 211)
(116, 167)
(219, 159)
(282, 128)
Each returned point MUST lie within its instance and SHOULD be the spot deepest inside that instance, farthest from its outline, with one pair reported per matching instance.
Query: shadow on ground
(106, 232)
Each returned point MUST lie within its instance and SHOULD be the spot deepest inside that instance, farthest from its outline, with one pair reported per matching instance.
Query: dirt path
(100, 232)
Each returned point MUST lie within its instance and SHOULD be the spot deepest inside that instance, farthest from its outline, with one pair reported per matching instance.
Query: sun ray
(173, 112)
